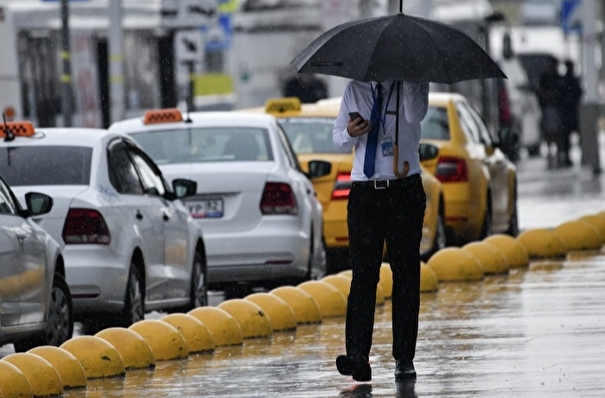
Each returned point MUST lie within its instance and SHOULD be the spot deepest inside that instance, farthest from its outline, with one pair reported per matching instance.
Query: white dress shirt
(358, 96)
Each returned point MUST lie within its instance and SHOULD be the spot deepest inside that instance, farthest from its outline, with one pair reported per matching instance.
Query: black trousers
(395, 215)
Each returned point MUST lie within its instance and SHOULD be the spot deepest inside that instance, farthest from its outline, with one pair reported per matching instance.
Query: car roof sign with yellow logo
(16, 129)
(157, 116)
(283, 105)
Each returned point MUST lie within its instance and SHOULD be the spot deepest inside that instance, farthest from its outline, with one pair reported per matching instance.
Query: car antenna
(9, 135)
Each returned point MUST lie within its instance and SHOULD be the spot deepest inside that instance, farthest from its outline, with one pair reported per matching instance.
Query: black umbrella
(398, 47)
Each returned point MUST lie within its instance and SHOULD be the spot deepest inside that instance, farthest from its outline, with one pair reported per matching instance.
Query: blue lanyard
(382, 118)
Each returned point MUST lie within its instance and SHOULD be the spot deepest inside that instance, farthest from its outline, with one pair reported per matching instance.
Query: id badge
(387, 147)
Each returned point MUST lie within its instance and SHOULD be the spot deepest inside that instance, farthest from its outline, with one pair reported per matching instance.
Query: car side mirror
(319, 168)
(427, 152)
(38, 203)
(183, 187)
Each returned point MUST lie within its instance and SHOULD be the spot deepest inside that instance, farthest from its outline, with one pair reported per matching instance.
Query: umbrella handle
(406, 165)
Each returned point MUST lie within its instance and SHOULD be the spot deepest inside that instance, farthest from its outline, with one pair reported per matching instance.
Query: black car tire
(134, 299)
(199, 282)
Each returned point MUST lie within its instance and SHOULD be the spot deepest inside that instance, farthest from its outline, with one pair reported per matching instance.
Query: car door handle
(165, 216)
(21, 236)
(139, 215)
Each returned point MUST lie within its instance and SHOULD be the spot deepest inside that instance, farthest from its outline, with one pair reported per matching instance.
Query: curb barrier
(348, 273)
(98, 357)
(166, 341)
(515, 251)
(222, 326)
(69, 368)
(598, 222)
(41, 374)
(492, 260)
(330, 301)
(455, 264)
(340, 282)
(579, 235)
(253, 321)
(306, 309)
(279, 312)
(428, 279)
(542, 243)
(133, 348)
(195, 333)
(13, 382)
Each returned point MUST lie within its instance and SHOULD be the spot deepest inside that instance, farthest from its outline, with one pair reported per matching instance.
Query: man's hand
(357, 127)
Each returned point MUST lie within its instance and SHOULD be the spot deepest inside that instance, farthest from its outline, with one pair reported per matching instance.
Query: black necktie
(370, 158)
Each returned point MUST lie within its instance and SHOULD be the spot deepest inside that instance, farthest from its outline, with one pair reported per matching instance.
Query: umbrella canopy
(397, 47)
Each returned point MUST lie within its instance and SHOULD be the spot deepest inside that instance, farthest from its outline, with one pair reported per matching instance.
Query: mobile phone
(355, 115)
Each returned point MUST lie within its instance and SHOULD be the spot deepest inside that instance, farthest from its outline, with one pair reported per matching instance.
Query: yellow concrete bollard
(166, 342)
(41, 374)
(280, 313)
(98, 357)
(251, 318)
(515, 251)
(348, 273)
(196, 334)
(306, 309)
(134, 349)
(542, 243)
(330, 301)
(340, 282)
(428, 279)
(69, 368)
(13, 382)
(598, 222)
(579, 235)
(492, 259)
(454, 264)
(386, 279)
(223, 327)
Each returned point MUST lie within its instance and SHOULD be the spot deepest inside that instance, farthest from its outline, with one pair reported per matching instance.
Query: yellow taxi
(309, 129)
(479, 181)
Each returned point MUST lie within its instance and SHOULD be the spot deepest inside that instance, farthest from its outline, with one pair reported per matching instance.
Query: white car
(35, 301)
(261, 218)
(130, 245)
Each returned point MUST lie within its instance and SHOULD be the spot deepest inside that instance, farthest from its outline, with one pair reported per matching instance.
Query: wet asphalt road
(536, 332)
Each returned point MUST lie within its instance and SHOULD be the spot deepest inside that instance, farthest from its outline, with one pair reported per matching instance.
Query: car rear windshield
(435, 125)
(310, 135)
(45, 165)
(208, 144)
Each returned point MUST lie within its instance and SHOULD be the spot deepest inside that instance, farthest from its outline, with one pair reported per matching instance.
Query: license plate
(210, 208)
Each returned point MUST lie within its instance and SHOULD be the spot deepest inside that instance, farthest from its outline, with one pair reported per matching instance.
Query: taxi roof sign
(18, 129)
(168, 115)
(283, 105)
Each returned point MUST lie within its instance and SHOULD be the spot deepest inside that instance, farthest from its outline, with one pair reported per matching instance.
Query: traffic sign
(570, 16)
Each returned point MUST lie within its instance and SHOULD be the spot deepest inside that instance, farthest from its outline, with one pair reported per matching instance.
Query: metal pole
(116, 74)
(590, 109)
(66, 98)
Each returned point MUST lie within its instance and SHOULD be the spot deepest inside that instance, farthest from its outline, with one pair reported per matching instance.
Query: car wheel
(486, 228)
(59, 322)
(199, 282)
(513, 224)
(440, 241)
(134, 300)
(316, 271)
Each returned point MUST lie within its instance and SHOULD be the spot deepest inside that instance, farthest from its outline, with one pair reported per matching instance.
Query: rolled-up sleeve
(416, 100)
(340, 136)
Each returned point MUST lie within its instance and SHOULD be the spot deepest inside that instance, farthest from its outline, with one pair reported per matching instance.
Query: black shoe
(404, 370)
(357, 367)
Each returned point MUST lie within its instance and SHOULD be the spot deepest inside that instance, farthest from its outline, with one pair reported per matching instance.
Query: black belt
(384, 184)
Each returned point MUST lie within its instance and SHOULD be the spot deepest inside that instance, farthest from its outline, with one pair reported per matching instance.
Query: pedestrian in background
(549, 97)
(306, 87)
(382, 207)
(571, 94)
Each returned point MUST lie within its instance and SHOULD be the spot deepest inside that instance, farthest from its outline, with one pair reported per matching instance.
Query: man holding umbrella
(383, 207)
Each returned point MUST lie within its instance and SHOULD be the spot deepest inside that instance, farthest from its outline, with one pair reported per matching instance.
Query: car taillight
(451, 169)
(278, 198)
(85, 226)
(342, 186)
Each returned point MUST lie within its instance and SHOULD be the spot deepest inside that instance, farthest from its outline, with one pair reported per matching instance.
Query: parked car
(309, 128)
(35, 301)
(261, 218)
(130, 245)
(479, 181)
